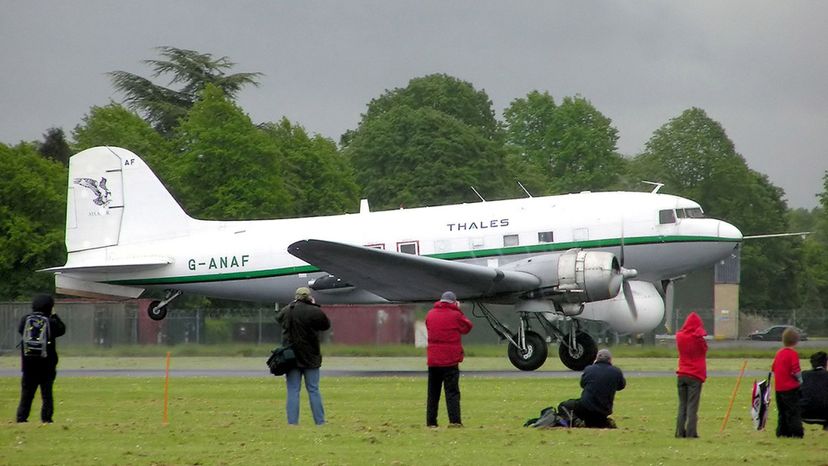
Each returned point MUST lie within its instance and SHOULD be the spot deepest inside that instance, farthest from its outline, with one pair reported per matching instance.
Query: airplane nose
(730, 232)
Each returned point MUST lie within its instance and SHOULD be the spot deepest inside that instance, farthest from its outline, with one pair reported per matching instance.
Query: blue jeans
(294, 380)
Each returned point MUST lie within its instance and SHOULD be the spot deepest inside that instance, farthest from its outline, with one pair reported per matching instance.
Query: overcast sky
(760, 68)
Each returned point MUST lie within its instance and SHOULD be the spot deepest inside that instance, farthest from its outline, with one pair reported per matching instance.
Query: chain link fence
(125, 323)
(107, 324)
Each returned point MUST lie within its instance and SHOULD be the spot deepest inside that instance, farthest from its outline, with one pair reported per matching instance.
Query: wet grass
(380, 421)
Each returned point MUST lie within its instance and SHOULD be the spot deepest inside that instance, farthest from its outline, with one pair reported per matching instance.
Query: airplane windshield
(693, 212)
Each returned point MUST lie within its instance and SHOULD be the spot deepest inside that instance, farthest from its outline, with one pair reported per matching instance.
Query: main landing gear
(157, 310)
(528, 349)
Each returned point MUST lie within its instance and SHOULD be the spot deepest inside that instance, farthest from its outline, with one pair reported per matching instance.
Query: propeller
(627, 274)
(667, 286)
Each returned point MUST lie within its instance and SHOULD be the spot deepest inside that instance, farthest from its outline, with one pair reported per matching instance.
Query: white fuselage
(248, 259)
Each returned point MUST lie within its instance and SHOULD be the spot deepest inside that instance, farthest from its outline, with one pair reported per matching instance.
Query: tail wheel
(582, 355)
(155, 312)
(535, 356)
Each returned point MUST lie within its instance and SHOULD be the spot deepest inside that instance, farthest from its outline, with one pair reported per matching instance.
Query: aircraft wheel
(536, 351)
(583, 354)
(156, 313)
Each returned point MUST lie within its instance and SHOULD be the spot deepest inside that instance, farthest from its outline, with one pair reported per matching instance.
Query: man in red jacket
(692, 372)
(445, 324)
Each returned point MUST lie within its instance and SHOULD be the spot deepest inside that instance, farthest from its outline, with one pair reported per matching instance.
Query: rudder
(115, 199)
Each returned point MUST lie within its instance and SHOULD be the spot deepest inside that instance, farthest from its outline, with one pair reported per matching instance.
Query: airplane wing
(405, 277)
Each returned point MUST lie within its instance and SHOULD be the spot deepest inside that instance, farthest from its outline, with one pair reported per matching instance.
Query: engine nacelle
(575, 276)
(616, 312)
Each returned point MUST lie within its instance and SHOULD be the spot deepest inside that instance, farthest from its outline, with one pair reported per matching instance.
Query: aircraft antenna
(478, 194)
(654, 183)
(523, 188)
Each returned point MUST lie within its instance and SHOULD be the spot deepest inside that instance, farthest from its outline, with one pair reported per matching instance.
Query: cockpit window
(680, 213)
(694, 212)
(666, 216)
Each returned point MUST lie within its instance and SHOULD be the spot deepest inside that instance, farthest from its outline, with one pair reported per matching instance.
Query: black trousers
(43, 377)
(439, 377)
(689, 394)
(789, 423)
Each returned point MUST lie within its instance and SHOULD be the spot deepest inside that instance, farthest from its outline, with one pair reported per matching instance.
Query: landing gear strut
(528, 349)
(157, 310)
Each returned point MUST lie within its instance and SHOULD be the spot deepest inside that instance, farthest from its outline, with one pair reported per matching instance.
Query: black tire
(156, 314)
(585, 354)
(536, 352)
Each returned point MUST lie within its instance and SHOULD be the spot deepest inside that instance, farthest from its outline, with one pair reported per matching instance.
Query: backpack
(35, 335)
(548, 418)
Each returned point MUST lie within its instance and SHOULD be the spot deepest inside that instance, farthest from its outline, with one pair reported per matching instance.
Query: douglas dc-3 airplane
(558, 259)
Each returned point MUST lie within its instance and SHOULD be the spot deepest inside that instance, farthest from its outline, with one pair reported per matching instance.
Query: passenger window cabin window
(511, 240)
(666, 216)
(409, 247)
(545, 237)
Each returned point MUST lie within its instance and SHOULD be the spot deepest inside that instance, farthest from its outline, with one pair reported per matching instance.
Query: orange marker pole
(733, 396)
(166, 388)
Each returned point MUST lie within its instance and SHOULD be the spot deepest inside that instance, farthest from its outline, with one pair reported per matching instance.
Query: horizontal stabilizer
(77, 287)
(126, 265)
(405, 277)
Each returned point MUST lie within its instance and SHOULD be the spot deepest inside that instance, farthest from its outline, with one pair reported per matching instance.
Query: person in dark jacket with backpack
(39, 356)
(301, 320)
(445, 324)
(599, 381)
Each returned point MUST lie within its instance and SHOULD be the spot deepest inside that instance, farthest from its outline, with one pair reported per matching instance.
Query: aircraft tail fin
(115, 199)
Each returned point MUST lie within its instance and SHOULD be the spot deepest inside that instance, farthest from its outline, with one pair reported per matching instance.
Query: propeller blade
(622, 242)
(628, 295)
(669, 306)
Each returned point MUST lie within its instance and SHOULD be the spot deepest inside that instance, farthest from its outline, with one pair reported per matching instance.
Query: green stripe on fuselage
(459, 255)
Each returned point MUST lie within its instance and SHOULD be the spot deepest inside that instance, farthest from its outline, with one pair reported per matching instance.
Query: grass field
(115, 420)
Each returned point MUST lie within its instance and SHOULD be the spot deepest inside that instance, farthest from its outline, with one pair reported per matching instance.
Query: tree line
(423, 144)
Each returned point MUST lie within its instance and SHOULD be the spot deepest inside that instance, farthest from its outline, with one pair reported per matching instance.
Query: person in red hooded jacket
(445, 324)
(692, 372)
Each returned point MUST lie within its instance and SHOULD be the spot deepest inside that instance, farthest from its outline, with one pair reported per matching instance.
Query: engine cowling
(574, 276)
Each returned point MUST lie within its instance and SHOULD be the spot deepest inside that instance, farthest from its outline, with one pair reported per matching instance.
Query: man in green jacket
(301, 320)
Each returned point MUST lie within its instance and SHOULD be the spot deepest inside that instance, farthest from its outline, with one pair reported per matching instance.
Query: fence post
(260, 326)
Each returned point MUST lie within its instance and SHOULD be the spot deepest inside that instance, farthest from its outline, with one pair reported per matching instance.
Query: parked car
(774, 333)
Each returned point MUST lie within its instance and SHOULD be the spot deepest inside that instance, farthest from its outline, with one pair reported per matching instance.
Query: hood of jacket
(693, 325)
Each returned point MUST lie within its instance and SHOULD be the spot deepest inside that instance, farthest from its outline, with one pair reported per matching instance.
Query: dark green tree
(32, 214)
(191, 72)
(441, 92)
(114, 125)
(527, 123)
(54, 146)
(582, 145)
(572, 144)
(226, 167)
(693, 156)
(415, 157)
(320, 179)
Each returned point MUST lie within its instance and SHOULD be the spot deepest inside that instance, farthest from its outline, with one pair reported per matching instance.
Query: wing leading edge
(406, 277)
